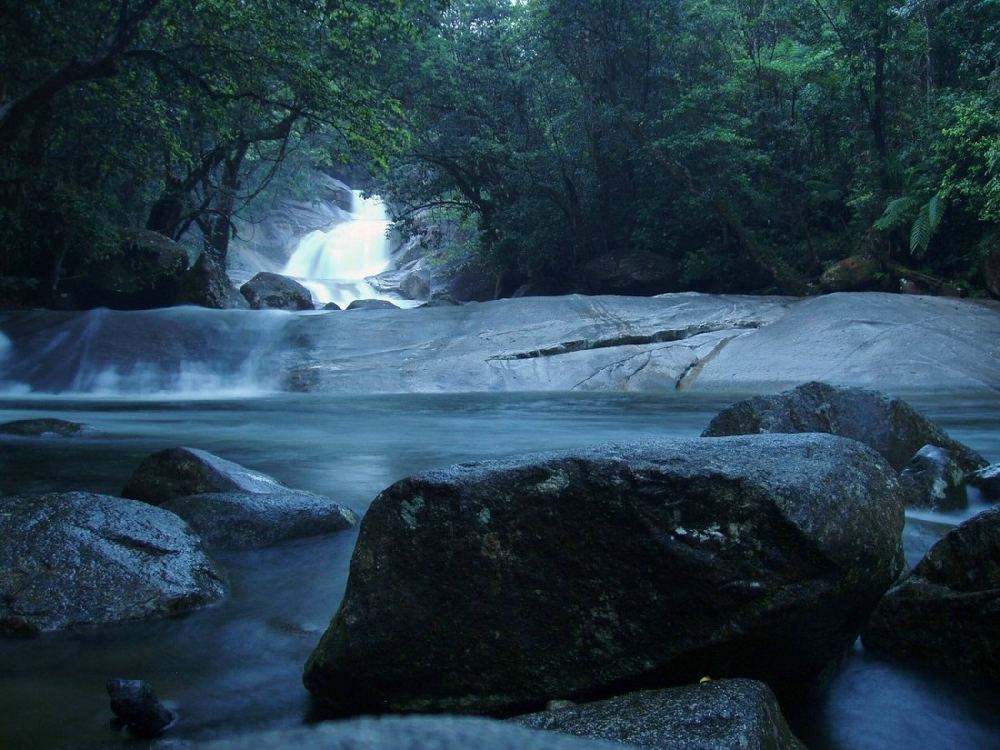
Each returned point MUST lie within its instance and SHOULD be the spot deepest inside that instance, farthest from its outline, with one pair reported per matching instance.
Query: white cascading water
(333, 265)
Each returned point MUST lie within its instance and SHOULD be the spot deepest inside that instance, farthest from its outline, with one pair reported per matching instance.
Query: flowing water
(334, 264)
(237, 665)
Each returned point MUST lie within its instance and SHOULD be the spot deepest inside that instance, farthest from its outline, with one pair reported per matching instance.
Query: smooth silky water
(237, 665)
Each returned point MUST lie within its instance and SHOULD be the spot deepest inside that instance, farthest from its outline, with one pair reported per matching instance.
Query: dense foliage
(707, 144)
(172, 114)
(710, 144)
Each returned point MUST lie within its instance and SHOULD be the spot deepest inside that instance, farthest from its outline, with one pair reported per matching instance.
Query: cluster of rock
(555, 579)
(646, 594)
(75, 559)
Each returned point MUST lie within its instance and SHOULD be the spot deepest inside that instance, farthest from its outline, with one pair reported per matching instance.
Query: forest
(633, 146)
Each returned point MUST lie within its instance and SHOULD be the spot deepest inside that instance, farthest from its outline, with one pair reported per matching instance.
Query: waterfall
(333, 265)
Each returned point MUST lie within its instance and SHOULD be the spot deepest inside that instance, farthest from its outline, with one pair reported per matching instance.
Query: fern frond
(897, 212)
(935, 211)
(920, 232)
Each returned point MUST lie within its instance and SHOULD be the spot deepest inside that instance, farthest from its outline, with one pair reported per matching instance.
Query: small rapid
(334, 264)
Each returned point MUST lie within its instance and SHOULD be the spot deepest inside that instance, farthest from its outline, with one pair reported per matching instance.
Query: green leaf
(935, 212)
(896, 214)
(920, 232)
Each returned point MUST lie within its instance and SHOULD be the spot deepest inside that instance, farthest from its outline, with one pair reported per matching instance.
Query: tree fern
(897, 212)
(900, 211)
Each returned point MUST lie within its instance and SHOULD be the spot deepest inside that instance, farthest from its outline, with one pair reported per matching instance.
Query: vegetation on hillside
(718, 145)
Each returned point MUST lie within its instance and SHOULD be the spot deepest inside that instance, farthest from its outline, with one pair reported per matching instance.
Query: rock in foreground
(177, 472)
(720, 714)
(242, 520)
(230, 506)
(136, 706)
(497, 586)
(946, 612)
(411, 733)
(73, 559)
(889, 425)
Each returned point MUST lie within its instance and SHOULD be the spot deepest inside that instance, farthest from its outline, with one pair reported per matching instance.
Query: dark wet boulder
(75, 559)
(889, 425)
(243, 520)
(987, 481)
(638, 272)
(136, 706)
(372, 304)
(44, 427)
(946, 611)
(331, 306)
(853, 274)
(718, 714)
(497, 586)
(410, 733)
(272, 291)
(176, 472)
(932, 479)
(208, 285)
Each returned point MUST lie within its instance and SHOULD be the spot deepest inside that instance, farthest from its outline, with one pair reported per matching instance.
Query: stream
(237, 666)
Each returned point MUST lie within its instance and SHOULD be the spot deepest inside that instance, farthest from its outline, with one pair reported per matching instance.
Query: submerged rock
(987, 481)
(497, 586)
(933, 479)
(230, 506)
(410, 733)
(889, 425)
(946, 611)
(272, 291)
(73, 559)
(137, 707)
(45, 427)
(718, 714)
(372, 304)
(244, 520)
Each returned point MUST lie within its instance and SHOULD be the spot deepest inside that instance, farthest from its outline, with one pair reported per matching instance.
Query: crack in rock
(658, 337)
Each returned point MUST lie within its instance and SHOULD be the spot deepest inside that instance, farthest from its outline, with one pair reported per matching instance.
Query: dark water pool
(238, 665)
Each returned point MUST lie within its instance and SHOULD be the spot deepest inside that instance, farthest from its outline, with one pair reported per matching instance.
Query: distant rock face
(75, 559)
(946, 611)
(45, 427)
(889, 425)
(497, 586)
(272, 291)
(932, 478)
(410, 733)
(244, 520)
(719, 714)
(231, 506)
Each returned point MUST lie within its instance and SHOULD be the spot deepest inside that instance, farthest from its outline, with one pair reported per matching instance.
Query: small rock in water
(331, 306)
(42, 427)
(987, 481)
(933, 479)
(371, 304)
(137, 707)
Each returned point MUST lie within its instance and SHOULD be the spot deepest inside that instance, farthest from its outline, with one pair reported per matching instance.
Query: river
(237, 665)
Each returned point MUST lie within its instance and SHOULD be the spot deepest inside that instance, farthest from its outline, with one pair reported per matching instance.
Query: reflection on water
(238, 665)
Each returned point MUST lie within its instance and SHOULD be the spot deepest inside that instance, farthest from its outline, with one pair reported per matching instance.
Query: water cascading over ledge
(334, 264)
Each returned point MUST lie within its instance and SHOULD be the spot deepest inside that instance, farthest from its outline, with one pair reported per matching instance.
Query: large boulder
(244, 520)
(272, 291)
(411, 733)
(718, 714)
(853, 274)
(497, 586)
(230, 506)
(946, 611)
(372, 304)
(889, 425)
(74, 559)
